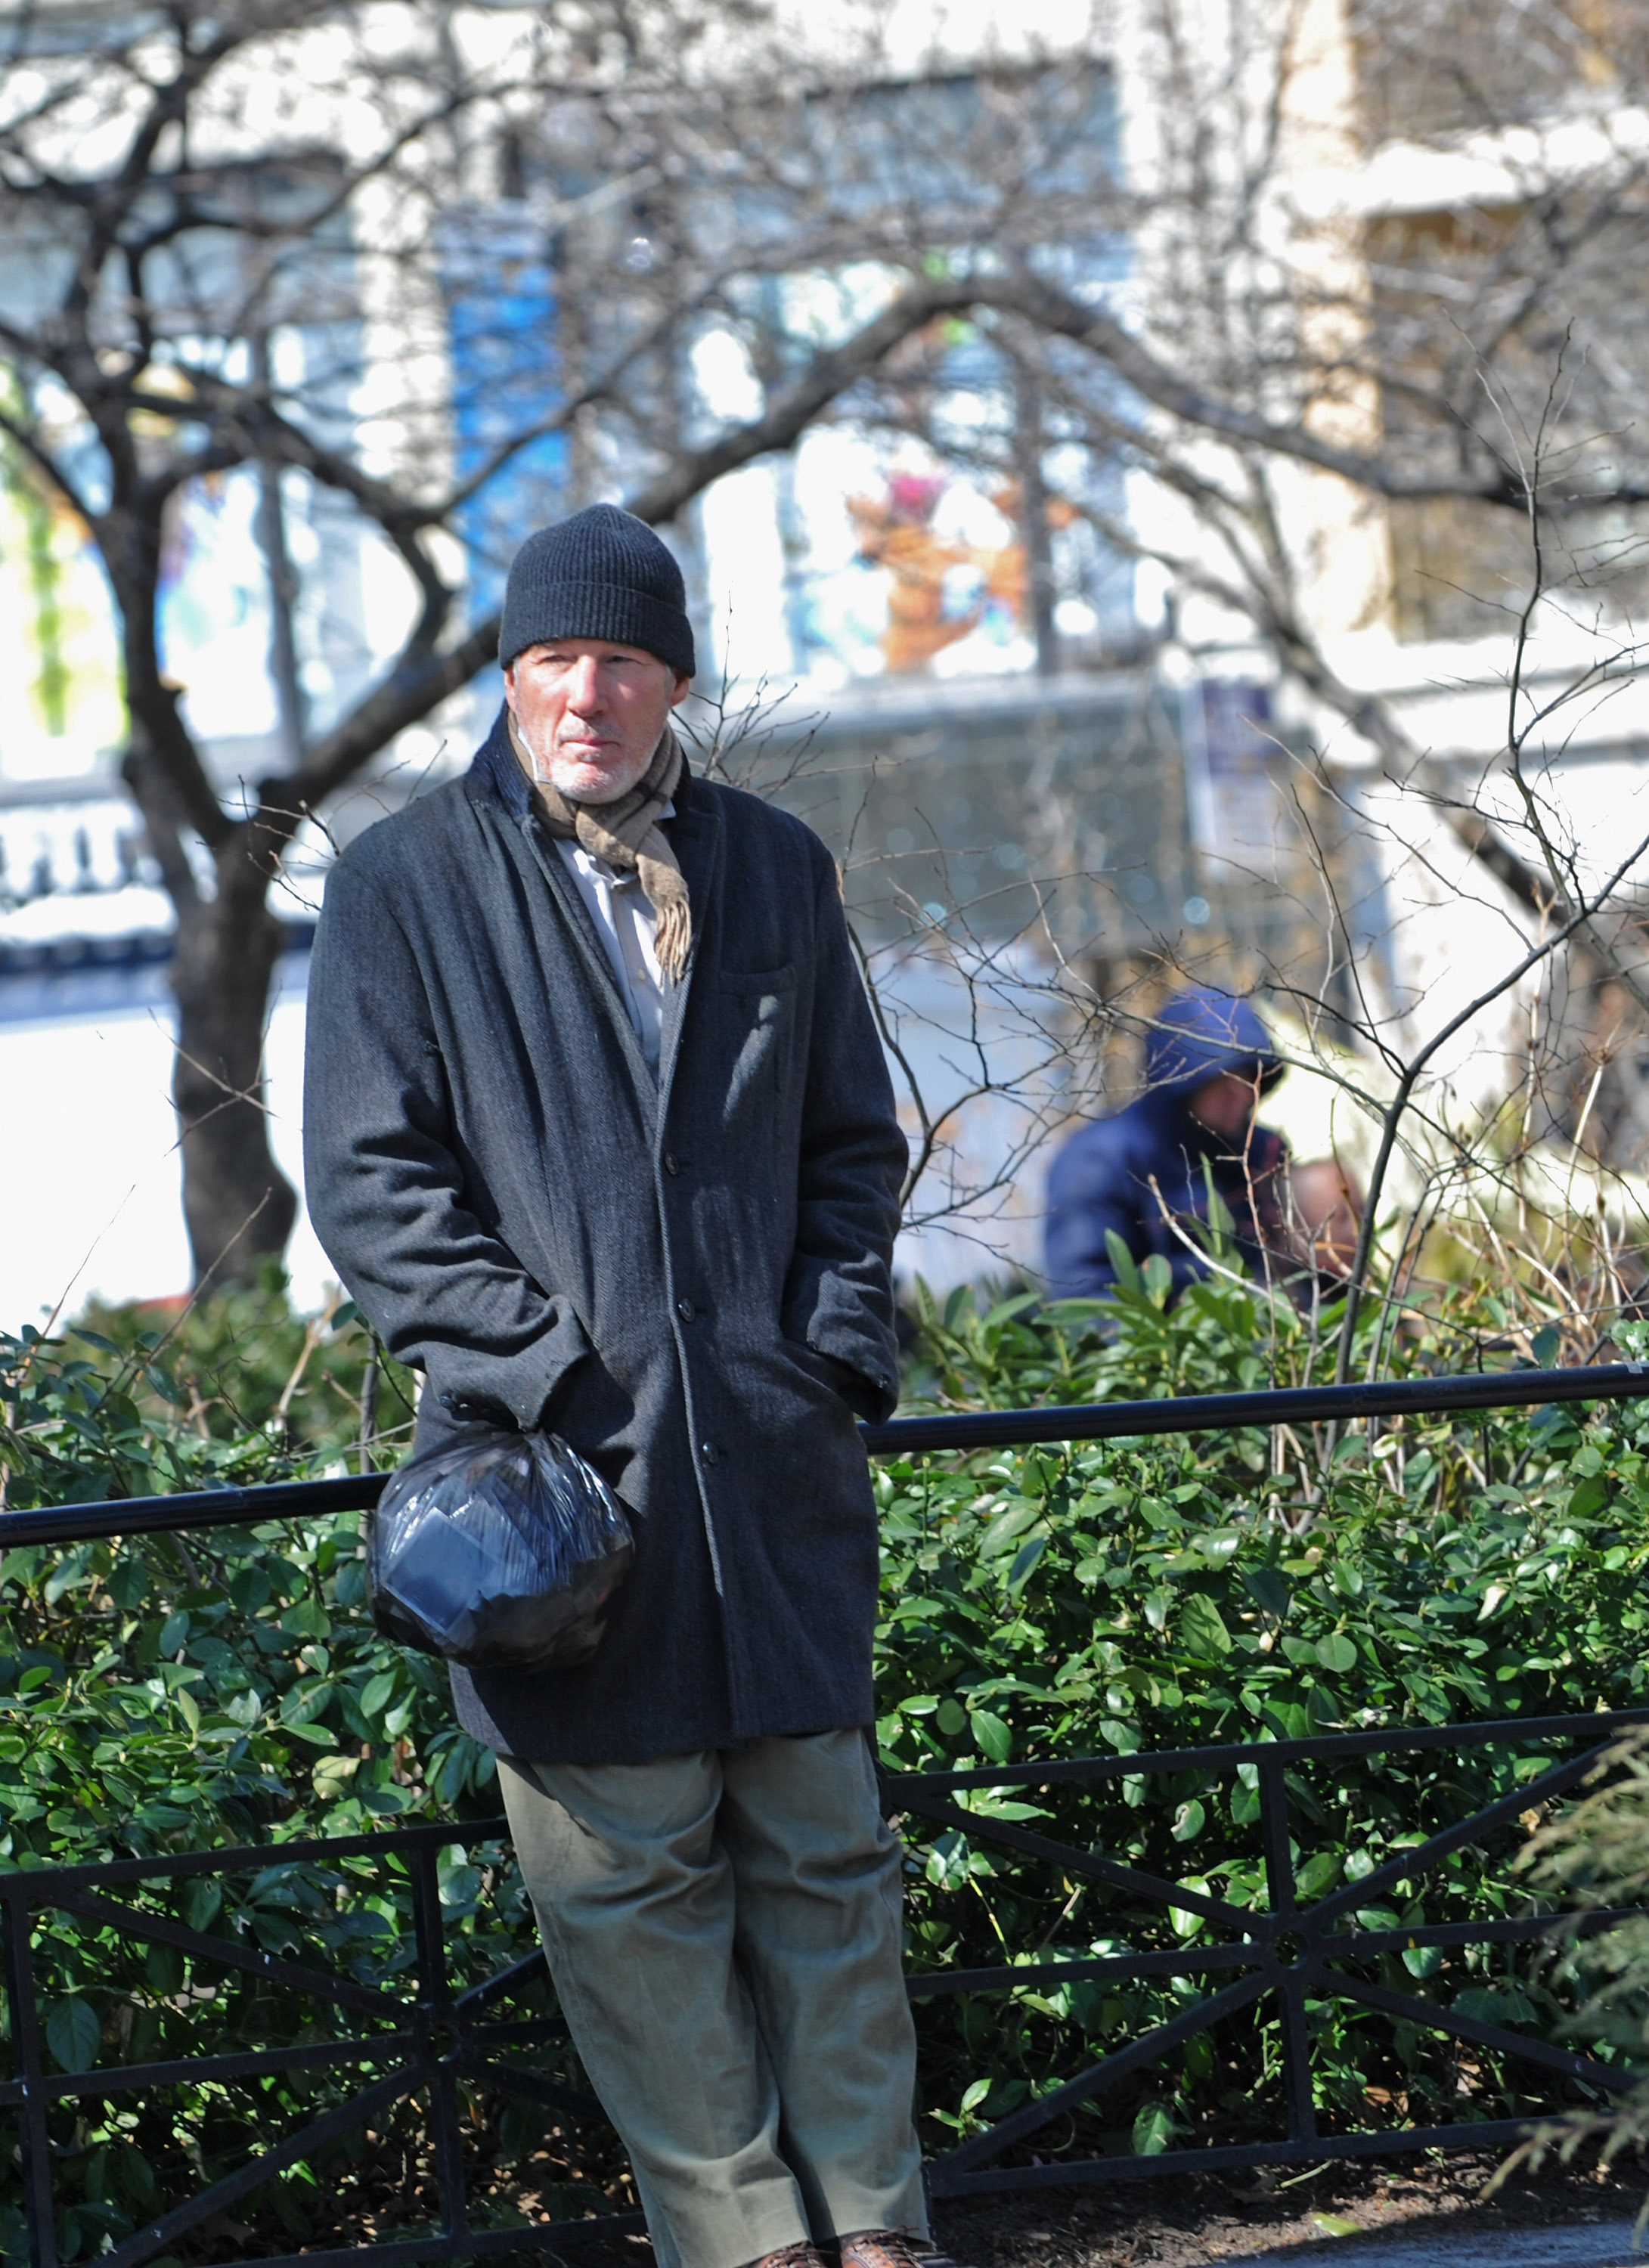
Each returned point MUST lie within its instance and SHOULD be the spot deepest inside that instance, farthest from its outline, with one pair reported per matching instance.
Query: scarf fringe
(672, 940)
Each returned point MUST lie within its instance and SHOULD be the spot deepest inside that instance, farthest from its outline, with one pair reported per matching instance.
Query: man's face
(1226, 1104)
(590, 713)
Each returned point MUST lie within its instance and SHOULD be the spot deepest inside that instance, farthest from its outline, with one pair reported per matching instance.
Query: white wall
(89, 1165)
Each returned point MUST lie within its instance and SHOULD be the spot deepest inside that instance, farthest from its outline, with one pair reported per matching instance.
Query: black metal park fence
(424, 2034)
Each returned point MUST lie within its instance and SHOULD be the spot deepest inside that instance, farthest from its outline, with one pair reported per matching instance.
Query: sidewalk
(1606, 2247)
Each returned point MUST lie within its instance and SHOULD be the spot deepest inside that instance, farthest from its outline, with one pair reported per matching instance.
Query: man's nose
(583, 688)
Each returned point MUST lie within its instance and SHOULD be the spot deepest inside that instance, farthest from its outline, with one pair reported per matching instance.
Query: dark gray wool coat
(654, 1270)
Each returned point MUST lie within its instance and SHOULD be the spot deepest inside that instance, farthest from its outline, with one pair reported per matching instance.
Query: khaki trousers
(723, 1929)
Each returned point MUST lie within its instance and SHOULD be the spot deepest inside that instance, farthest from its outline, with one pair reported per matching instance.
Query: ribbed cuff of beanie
(601, 610)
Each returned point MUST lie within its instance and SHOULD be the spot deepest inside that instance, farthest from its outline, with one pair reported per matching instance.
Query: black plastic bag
(500, 1550)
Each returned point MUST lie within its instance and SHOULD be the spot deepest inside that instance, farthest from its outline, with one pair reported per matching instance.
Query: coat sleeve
(838, 1291)
(385, 1189)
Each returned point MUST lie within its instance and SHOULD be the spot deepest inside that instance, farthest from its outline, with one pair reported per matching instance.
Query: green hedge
(1105, 1598)
(1175, 1592)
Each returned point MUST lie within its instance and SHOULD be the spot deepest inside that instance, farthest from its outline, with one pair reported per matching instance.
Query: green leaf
(307, 1701)
(136, 2176)
(1318, 1874)
(1505, 2005)
(163, 1968)
(1153, 2127)
(1024, 1563)
(1334, 2224)
(1378, 1917)
(130, 1581)
(1012, 1520)
(203, 1901)
(1202, 1628)
(1184, 1923)
(993, 1736)
(1268, 1589)
(950, 1717)
(74, 2033)
(1336, 1652)
(306, 1619)
(1245, 1806)
(316, 1737)
(249, 1587)
(1189, 1821)
(1121, 1261)
(377, 1692)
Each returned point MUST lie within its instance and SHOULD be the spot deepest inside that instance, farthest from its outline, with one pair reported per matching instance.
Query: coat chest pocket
(759, 1013)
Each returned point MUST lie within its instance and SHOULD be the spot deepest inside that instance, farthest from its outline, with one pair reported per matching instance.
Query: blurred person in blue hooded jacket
(1145, 1173)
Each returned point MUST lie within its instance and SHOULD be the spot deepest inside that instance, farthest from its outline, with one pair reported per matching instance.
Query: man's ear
(509, 689)
(683, 687)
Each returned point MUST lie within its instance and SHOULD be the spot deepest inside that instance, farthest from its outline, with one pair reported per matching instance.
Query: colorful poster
(898, 558)
(61, 703)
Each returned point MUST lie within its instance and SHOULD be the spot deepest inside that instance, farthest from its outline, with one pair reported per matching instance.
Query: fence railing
(1294, 1949)
(421, 2034)
(942, 1433)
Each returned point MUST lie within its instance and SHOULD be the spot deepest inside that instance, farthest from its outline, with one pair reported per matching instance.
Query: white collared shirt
(627, 927)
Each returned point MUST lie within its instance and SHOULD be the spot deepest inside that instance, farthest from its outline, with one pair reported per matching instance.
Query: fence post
(17, 1924)
(435, 1994)
(1291, 1991)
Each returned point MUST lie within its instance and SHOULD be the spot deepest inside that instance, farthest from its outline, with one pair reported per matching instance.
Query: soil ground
(1180, 2223)
(1183, 2224)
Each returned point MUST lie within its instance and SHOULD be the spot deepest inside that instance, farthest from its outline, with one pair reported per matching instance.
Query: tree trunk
(238, 1208)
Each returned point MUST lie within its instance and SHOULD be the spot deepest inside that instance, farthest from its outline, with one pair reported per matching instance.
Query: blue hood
(1199, 1033)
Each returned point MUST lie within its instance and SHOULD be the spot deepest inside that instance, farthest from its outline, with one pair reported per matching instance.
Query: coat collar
(696, 836)
(495, 776)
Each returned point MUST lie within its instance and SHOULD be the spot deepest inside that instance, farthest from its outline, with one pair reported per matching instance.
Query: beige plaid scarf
(626, 833)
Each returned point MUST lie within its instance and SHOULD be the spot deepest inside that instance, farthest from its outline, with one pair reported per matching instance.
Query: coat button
(684, 1308)
(671, 1163)
(709, 1452)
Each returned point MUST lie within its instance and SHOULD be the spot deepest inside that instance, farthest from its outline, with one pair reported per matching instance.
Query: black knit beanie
(601, 574)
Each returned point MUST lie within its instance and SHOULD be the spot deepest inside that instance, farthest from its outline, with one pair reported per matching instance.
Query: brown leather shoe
(891, 2248)
(802, 2255)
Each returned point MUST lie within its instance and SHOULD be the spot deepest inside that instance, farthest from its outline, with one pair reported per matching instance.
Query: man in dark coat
(600, 1135)
(1143, 1174)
